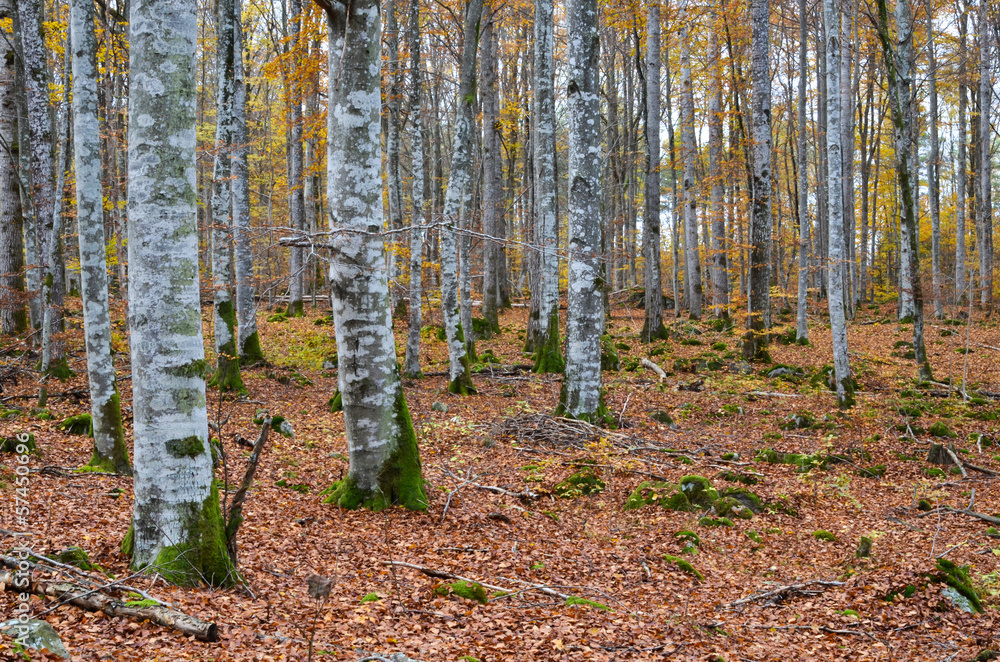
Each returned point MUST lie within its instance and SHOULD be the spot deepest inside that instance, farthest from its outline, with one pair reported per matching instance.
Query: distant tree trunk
(692, 271)
(227, 363)
(411, 362)
(394, 123)
(847, 106)
(675, 239)
(755, 340)
(13, 315)
(581, 389)
(720, 266)
(652, 282)
(177, 527)
(384, 460)
(961, 166)
(899, 63)
(802, 326)
(492, 181)
(110, 452)
(456, 202)
(296, 202)
(843, 379)
(465, 269)
(250, 351)
(933, 168)
(984, 199)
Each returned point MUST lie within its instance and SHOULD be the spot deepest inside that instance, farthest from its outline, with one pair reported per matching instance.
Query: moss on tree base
(548, 355)
(660, 332)
(336, 402)
(400, 482)
(251, 353)
(296, 309)
(118, 462)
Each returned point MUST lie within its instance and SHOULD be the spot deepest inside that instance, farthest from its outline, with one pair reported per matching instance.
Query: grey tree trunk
(492, 182)
(961, 166)
(456, 202)
(250, 351)
(394, 123)
(13, 315)
(692, 260)
(844, 382)
(934, 168)
(802, 308)
(984, 212)
(720, 263)
(759, 300)
(546, 345)
(411, 363)
(384, 460)
(581, 389)
(177, 526)
(296, 202)
(227, 362)
(652, 281)
(110, 452)
(897, 52)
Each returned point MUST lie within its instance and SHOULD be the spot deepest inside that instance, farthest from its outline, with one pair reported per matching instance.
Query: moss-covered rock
(864, 550)
(730, 507)
(18, 443)
(684, 566)
(699, 491)
(585, 482)
(957, 577)
(76, 557)
(745, 498)
(463, 589)
(804, 462)
(665, 495)
(662, 416)
(824, 535)
(715, 521)
(79, 424)
(736, 477)
(802, 420)
(939, 429)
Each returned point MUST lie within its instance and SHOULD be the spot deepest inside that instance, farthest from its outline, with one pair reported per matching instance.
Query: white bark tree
(720, 263)
(13, 315)
(652, 280)
(411, 362)
(177, 527)
(296, 193)
(456, 202)
(581, 389)
(384, 460)
(692, 261)
(934, 167)
(961, 167)
(984, 211)
(110, 452)
(802, 327)
(493, 197)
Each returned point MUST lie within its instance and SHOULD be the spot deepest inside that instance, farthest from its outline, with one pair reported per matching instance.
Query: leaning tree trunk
(411, 363)
(835, 301)
(177, 527)
(934, 168)
(899, 63)
(456, 201)
(802, 326)
(296, 194)
(720, 262)
(984, 213)
(248, 340)
(110, 452)
(384, 460)
(961, 172)
(492, 180)
(581, 389)
(13, 316)
(692, 262)
(652, 282)
(758, 320)
(227, 361)
(548, 352)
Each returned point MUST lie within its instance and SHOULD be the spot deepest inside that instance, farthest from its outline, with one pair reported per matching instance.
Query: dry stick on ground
(441, 574)
(783, 591)
(655, 368)
(958, 463)
(527, 495)
(84, 598)
(962, 511)
(235, 517)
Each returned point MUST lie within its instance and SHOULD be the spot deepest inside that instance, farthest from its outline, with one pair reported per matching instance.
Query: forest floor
(629, 601)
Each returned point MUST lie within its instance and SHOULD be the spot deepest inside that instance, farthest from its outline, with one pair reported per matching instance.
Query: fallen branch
(958, 463)
(91, 600)
(646, 363)
(783, 592)
(983, 470)
(235, 517)
(442, 574)
(773, 394)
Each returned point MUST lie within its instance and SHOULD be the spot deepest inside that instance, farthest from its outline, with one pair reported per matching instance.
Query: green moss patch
(804, 462)
(585, 482)
(191, 446)
(76, 557)
(824, 535)
(715, 521)
(573, 600)
(463, 589)
(699, 491)
(665, 495)
(371, 597)
(684, 566)
(79, 424)
(939, 429)
(13, 445)
(957, 577)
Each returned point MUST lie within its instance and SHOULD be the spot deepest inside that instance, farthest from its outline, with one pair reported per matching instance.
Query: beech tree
(411, 362)
(802, 208)
(652, 282)
(692, 261)
(13, 315)
(177, 527)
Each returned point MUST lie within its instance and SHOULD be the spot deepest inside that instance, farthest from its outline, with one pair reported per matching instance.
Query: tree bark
(933, 168)
(492, 182)
(984, 199)
(652, 281)
(692, 261)
(802, 308)
(961, 166)
(296, 202)
(13, 315)
(720, 261)
(411, 362)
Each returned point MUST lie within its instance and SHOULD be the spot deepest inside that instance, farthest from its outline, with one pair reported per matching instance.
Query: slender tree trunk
(720, 266)
(933, 168)
(984, 199)
(296, 202)
(492, 180)
(411, 363)
(675, 239)
(394, 122)
(177, 527)
(13, 315)
(692, 272)
(961, 166)
(652, 281)
(802, 309)
(110, 452)
(581, 390)
(755, 340)
(456, 202)
(384, 460)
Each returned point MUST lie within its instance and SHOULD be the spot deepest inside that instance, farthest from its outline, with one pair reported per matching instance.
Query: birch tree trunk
(652, 281)
(759, 300)
(456, 201)
(411, 363)
(296, 202)
(492, 180)
(581, 389)
(720, 262)
(802, 309)
(13, 315)
(548, 352)
(110, 452)
(250, 351)
(961, 166)
(844, 382)
(984, 199)
(227, 362)
(933, 168)
(692, 261)
(899, 59)
(384, 460)
(177, 527)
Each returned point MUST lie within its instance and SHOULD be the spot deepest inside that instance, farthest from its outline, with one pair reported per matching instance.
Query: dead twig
(783, 592)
